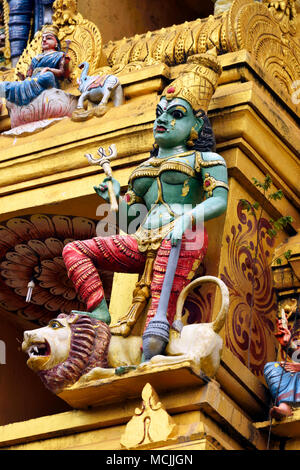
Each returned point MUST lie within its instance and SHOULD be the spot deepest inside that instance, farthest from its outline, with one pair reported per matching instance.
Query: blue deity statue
(45, 71)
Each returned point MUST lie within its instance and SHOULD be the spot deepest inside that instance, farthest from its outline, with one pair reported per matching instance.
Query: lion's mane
(90, 340)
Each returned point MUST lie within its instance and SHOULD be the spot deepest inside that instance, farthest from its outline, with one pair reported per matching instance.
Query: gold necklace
(156, 162)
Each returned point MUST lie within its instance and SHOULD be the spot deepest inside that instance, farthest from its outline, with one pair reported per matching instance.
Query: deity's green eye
(177, 114)
(55, 324)
(158, 112)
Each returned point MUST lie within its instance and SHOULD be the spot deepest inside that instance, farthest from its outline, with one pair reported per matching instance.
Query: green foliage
(265, 186)
(276, 225)
(286, 255)
(277, 195)
(246, 205)
(249, 207)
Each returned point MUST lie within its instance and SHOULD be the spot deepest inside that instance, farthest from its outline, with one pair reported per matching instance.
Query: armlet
(131, 198)
(210, 183)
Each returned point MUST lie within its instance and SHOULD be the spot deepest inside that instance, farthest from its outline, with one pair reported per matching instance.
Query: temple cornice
(268, 33)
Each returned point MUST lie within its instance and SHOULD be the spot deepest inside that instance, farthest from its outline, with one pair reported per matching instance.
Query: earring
(192, 138)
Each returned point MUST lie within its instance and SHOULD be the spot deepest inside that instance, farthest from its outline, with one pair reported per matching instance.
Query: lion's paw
(96, 374)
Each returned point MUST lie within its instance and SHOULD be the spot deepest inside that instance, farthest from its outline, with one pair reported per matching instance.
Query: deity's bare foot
(282, 411)
(121, 370)
(125, 324)
(121, 329)
(101, 312)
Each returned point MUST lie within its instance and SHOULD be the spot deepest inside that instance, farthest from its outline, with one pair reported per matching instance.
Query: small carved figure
(97, 90)
(45, 71)
(283, 378)
(76, 348)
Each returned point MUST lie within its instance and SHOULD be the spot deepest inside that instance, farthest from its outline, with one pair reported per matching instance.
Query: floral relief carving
(241, 269)
(30, 248)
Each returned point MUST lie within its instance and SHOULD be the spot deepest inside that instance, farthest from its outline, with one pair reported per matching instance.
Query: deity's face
(49, 42)
(289, 305)
(174, 122)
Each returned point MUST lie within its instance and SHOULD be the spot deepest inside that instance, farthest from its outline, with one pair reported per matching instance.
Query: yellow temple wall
(206, 435)
(129, 17)
(205, 419)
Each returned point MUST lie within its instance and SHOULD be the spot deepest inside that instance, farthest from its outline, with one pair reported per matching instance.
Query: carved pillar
(20, 12)
(42, 13)
(2, 34)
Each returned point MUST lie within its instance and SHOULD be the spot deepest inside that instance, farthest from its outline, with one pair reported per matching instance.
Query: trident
(104, 162)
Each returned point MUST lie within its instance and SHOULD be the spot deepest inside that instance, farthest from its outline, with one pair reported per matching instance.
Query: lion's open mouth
(39, 349)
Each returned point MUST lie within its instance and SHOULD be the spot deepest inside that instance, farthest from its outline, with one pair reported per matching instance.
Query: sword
(156, 336)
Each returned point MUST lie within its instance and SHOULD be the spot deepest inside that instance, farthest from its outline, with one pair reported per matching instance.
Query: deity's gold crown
(50, 29)
(198, 81)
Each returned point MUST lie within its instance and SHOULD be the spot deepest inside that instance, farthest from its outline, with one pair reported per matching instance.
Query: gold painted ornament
(210, 183)
(198, 81)
(266, 30)
(193, 137)
(185, 188)
(150, 424)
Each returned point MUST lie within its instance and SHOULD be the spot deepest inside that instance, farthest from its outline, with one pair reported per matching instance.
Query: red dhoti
(118, 253)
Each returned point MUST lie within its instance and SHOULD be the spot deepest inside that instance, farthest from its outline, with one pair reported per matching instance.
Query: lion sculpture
(76, 349)
(71, 346)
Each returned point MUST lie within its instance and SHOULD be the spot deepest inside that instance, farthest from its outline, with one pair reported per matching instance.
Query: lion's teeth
(32, 350)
